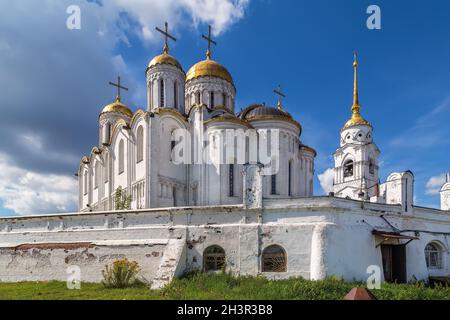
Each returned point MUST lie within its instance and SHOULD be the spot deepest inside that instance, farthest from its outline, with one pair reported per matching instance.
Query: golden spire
(355, 84)
(356, 118)
(210, 40)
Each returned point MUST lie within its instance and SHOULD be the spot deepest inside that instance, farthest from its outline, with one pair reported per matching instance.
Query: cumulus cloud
(326, 179)
(27, 192)
(435, 184)
(219, 13)
(55, 80)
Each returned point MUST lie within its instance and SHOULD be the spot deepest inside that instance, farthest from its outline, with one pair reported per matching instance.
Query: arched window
(85, 182)
(96, 175)
(371, 166)
(197, 98)
(231, 180)
(161, 93)
(175, 95)
(106, 133)
(224, 99)
(348, 169)
(433, 256)
(273, 184)
(290, 178)
(213, 258)
(140, 144)
(121, 157)
(105, 169)
(274, 259)
(211, 99)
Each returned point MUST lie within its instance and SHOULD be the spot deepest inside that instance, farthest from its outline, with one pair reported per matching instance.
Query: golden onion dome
(209, 68)
(118, 107)
(356, 120)
(165, 58)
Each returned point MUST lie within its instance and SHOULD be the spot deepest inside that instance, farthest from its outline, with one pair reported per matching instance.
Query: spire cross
(210, 40)
(166, 37)
(280, 95)
(118, 88)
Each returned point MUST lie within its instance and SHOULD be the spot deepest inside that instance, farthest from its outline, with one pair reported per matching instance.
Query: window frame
(281, 256)
(219, 258)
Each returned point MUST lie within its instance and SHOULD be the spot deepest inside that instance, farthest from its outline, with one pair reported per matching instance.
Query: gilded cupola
(208, 83)
(356, 118)
(165, 79)
(209, 68)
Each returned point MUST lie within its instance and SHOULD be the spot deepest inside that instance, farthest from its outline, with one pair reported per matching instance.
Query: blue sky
(57, 79)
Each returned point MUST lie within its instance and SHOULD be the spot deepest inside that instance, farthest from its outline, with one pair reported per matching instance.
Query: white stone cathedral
(135, 148)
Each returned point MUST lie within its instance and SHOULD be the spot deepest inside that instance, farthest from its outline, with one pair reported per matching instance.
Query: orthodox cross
(118, 88)
(166, 37)
(280, 95)
(210, 40)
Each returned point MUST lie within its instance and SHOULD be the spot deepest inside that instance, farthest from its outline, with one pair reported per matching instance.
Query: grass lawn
(219, 286)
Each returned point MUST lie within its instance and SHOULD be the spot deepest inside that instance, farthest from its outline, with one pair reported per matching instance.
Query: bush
(121, 274)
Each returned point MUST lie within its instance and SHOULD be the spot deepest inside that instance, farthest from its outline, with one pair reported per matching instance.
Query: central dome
(258, 110)
(209, 68)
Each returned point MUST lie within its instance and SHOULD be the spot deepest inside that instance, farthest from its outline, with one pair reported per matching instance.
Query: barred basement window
(213, 259)
(274, 259)
(433, 256)
(231, 180)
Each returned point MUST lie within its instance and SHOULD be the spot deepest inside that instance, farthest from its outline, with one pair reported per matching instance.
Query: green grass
(219, 286)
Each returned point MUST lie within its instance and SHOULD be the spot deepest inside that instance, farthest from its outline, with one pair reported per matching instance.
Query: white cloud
(326, 180)
(221, 14)
(26, 192)
(435, 184)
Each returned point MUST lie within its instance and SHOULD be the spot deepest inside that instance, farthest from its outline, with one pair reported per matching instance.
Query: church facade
(230, 215)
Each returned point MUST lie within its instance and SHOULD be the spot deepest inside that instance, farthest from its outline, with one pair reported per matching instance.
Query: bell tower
(356, 160)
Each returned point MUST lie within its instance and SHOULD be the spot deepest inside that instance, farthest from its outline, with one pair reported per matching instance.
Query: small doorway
(394, 263)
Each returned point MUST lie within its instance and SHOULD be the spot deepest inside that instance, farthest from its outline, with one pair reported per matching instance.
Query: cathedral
(135, 148)
(137, 201)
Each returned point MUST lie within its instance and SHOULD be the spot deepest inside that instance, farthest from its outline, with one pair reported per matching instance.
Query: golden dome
(209, 68)
(165, 58)
(355, 120)
(118, 107)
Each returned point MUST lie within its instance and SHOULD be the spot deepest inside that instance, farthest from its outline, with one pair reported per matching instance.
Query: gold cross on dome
(210, 40)
(166, 34)
(280, 95)
(118, 88)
